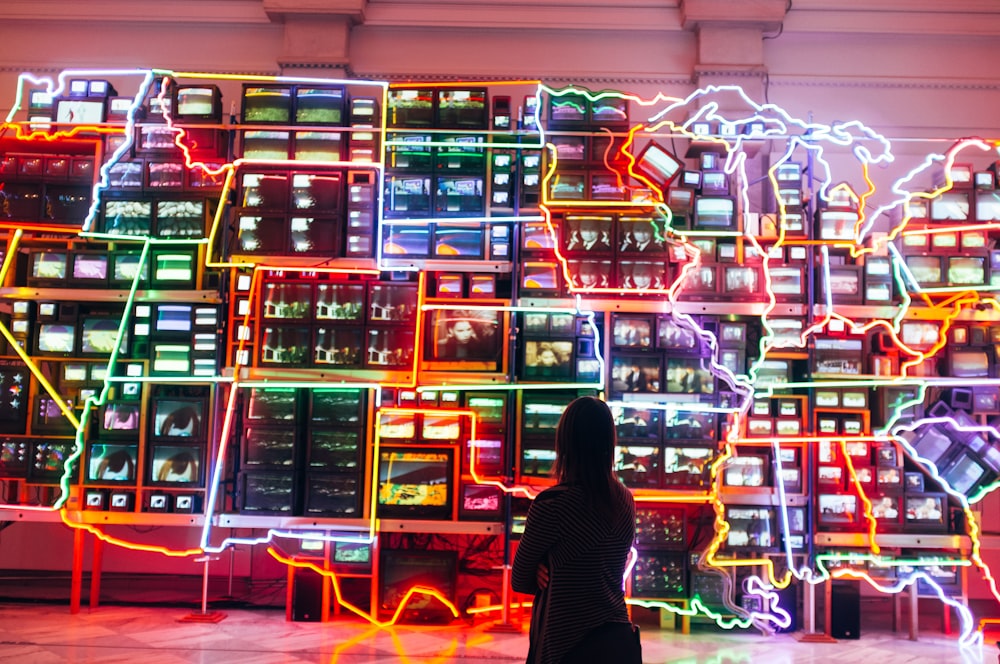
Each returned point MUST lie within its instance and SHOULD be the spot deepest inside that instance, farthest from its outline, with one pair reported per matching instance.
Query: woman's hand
(542, 576)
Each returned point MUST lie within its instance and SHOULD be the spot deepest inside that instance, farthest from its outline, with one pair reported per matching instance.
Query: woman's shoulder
(554, 493)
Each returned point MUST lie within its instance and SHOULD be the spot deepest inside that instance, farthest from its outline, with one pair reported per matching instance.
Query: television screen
(950, 206)
(48, 417)
(55, 339)
(965, 473)
(48, 459)
(687, 465)
(269, 446)
(402, 570)
(920, 335)
(670, 335)
(267, 104)
(540, 277)
(397, 426)
(837, 509)
(490, 409)
(271, 404)
(79, 111)
(548, 359)
(286, 300)
(480, 502)
(175, 464)
(178, 418)
(438, 427)
(747, 471)
(689, 376)
(173, 268)
(334, 449)
(112, 463)
(319, 105)
(13, 458)
(119, 418)
(452, 242)
(392, 302)
(637, 465)
(714, 213)
(48, 266)
(635, 373)
(337, 407)
(90, 267)
(332, 495)
(465, 335)
(966, 270)
(926, 509)
(536, 236)
(415, 483)
(125, 267)
(340, 301)
(197, 103)
(267, 493)
(633, 422)
(172, 318)
(969, 364)
(690, 425)
(98, 335)
(658, 165)
(750, 527)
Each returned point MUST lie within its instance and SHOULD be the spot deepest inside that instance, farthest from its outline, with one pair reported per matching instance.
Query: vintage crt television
(178, 419)
(416, 483)
(332, 494)
(480, 502)
(266, 104)
(268, 447)
(568, 110)
(458, 108)
(320, 104)
(714, 213)
(73, 110)
(334, 449)
(48, 268)
(119, 419)
(403, 569)
(112, 463)
(196, 103)
(47, 460)
(267, 492)
(658, 165)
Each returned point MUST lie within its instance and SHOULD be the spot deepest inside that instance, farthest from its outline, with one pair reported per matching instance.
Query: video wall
(357, 300)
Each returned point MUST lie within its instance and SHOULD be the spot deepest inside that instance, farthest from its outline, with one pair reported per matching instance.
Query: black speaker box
(845, 610)
(307, 596)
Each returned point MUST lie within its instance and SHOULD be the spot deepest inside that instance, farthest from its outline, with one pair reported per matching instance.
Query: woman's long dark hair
(585, 448)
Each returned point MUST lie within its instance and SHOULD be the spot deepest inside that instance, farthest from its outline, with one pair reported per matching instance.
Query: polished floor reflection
(44, 633)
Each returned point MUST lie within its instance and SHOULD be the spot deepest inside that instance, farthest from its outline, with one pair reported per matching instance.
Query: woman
(575, 545)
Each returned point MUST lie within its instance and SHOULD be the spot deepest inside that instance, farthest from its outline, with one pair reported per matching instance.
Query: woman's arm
(541, 532)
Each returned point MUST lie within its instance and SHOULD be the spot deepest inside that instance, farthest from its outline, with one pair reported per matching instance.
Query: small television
(178, 418)
(407, 241)
(920, 335)
(689, 425)
(637, 465)
(334, 449)
(548, 360)
(268, 447)
(950, 206)
(461, 109)
(490, 409)
(266, 145)
(320, 105)
(971, 363)
(568, 110)
(464, 340)
(48, 457)
(333, 495)
(79, 111)
(401, 426)
(714, 213)
(340, 302)
(415, 483)
(926, 511)
(47, 268)
(13, 458)
(837, 510)
(672, 336)
(658, 165)
(197, 103)
(456, 242)
(631, 331)
(609, 111)
(636, 422)
(172, 358)
(536, 236)
(747, 470)
(537, 459)
(438, 427)
(265, 492)
(988, 206)
(98, 334)
(480, 502)
(173, 269)
(687, 375)
(967, 472)
(401, 570)
(317, 146)
(751, 527)
(636, 373)
(336, 407)
(389, 347)
(392, 302)
(112, 462)
(119, 419)
(126, 267)
(55, 338)
(286, 300)
(837, 225)
(267, 104)
(90, 268)
(966, 270)
(47, 417)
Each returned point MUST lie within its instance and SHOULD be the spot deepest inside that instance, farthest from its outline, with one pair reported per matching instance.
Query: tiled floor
(44, 633)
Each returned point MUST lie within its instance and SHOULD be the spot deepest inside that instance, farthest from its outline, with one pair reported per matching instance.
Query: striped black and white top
(586, 555)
